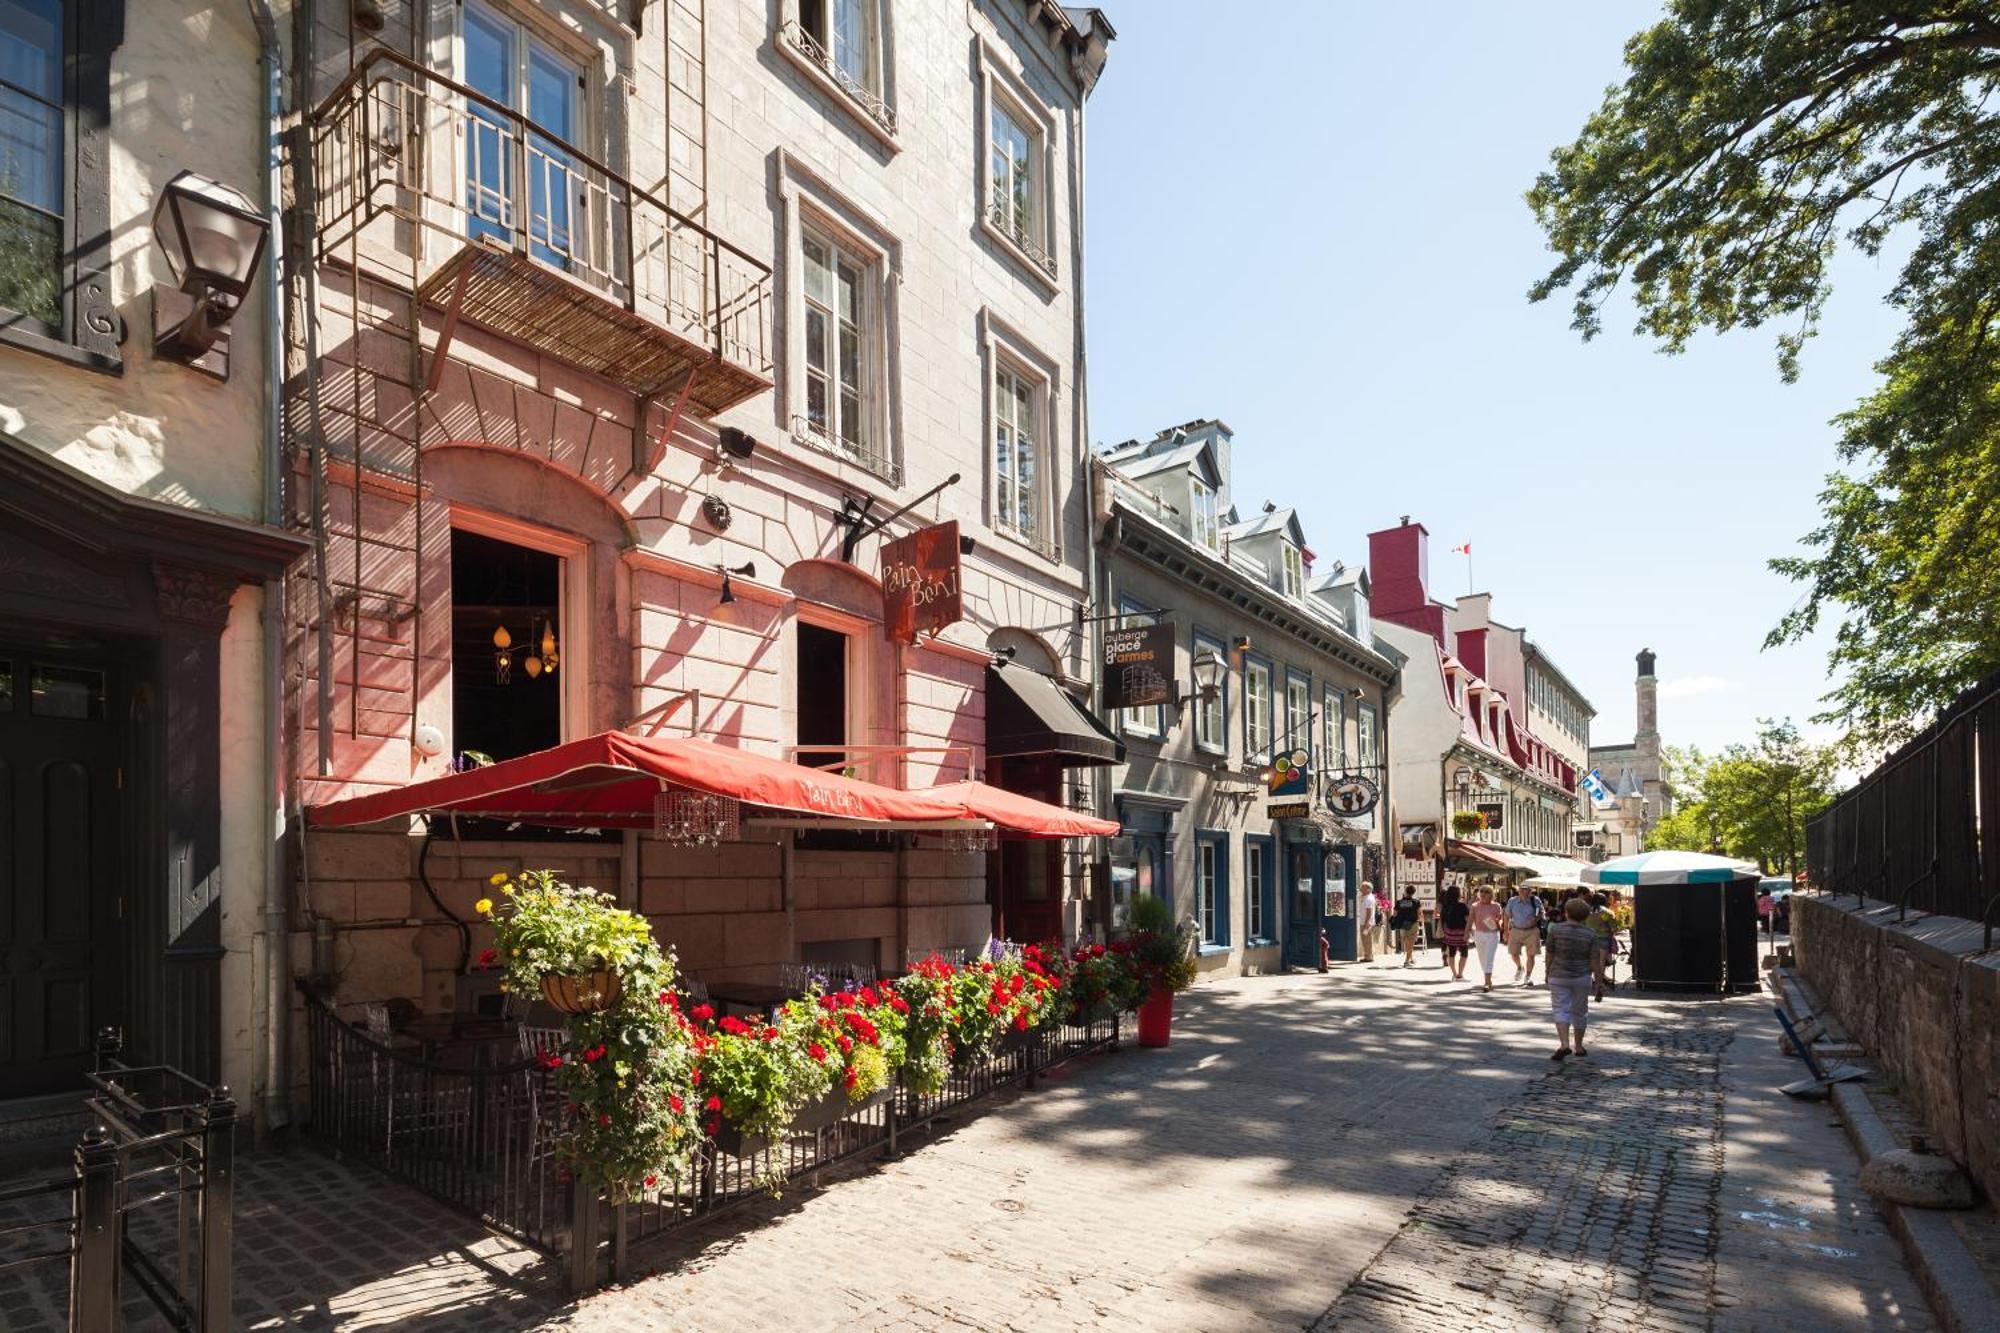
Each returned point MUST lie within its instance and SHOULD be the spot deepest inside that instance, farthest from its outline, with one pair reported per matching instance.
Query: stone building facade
(633, 332)
(139, 561)
(1637, 777)
(1300, 670)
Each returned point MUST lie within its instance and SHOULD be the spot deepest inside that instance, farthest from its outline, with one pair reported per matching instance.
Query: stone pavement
(1374, 1149)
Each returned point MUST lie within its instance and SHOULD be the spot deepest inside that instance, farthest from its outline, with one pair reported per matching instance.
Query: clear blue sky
(1306, 219)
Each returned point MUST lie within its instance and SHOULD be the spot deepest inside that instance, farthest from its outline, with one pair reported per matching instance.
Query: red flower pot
(1156, 1017)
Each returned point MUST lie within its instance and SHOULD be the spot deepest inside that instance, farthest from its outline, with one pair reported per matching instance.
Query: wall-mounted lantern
(748, 569)
(212, 237)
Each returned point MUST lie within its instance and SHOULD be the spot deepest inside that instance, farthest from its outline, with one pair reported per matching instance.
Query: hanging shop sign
(1289, 785)
(1352, 795)
(1585, 837)
(920, 586)
(1139, 666)
(1495, 812)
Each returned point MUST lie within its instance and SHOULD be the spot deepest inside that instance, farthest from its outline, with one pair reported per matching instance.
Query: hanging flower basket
(1465, 823)
(588, 993)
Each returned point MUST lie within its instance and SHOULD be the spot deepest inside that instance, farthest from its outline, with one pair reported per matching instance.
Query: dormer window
(1292, 570)
(1207, 527)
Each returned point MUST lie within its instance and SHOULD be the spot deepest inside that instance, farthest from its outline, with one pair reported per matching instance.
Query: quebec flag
(1593, 782)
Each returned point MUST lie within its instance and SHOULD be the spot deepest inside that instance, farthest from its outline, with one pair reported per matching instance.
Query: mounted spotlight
(748, 569)
(1002, 656)
(368, 16)
(966, 545)
(213, 238)
(738, 444)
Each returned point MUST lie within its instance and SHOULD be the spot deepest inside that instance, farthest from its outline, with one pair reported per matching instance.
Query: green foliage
(625, 1073)
(1749, 142)
(547, 926)
(1752, 800)
(1161, 950)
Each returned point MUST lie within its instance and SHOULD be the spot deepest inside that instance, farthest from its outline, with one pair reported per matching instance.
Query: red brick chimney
(1399, 570)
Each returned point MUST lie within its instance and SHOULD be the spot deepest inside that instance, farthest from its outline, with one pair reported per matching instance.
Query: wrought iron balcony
(809, 47)
(1008, 223)
(517, 231)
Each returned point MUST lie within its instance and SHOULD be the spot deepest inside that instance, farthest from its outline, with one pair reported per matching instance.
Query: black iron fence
(1923, 830)
(481, 1138)
(150, 1195)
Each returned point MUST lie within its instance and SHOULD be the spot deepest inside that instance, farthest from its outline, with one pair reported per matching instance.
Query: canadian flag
(1462, 550)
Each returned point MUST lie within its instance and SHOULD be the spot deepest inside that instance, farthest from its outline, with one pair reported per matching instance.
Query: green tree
(1750, 140)
(1752, 801)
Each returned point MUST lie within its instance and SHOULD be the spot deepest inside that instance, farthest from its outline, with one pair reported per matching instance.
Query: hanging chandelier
(544, 656)
(695, 819)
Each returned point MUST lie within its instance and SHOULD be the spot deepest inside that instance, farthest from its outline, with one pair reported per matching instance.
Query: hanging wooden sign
(1139, 666)
(920, 587)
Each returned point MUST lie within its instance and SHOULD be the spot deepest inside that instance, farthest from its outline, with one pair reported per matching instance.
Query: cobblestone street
(1375, 1149)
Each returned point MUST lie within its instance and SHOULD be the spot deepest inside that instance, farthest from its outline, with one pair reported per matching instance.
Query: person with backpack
(1404, 921)
(1526, 915)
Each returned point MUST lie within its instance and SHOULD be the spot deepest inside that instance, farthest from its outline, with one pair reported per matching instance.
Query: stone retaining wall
(1925, 1002)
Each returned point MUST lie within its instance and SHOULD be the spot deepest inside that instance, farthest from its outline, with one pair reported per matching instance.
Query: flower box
(827, 1111)
(590, 993)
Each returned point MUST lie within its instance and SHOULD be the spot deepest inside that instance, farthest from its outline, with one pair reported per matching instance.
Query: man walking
(1404, 924)
(1525, 915)
(1365, 920)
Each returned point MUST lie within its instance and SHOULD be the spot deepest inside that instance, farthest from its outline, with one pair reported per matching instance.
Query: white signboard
(1420, 875)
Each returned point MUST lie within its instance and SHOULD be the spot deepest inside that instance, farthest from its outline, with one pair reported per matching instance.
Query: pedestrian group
(1578, 944)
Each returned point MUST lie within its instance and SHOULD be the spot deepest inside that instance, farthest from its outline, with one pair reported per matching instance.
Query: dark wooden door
(61, 938)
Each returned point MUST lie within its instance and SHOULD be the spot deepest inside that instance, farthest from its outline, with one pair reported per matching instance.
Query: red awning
(609, 781)
(1021, 814)
(1472, 851)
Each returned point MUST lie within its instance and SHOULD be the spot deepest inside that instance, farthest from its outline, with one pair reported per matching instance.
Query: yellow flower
(497, 877)
(484, 907)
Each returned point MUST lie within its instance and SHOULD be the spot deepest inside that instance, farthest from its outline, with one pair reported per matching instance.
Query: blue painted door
(1340, 919)
(1300, 889)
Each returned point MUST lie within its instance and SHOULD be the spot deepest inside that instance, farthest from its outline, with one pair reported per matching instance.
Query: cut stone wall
(1925, 1002)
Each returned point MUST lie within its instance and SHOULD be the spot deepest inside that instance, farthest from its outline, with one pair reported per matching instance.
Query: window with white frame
(1208, 890)
(1298, 713)
(1206, 522)
(1333, 720)
(843, 39)
(1209, 725)
(1256, 885)
(1138, 721)
(1294, 571)
(1017, 482)
(1256, 711)
(1364, 734)
(839, 321)
(508, 62)
(1014, 182)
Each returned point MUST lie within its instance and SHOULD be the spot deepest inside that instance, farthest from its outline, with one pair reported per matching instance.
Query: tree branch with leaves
(1750, 142)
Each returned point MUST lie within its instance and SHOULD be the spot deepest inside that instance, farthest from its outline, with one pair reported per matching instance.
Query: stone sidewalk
(1377, 1148)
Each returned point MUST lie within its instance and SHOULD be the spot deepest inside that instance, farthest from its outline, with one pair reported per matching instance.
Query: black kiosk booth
(1694, 919)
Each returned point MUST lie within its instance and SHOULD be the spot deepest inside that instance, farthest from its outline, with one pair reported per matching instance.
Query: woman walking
(1485, 917)
(1457, 935)
(1575, 964)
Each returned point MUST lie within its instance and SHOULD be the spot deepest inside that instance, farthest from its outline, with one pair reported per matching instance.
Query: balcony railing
(1007, 221)
(531, 236)
(870, 101)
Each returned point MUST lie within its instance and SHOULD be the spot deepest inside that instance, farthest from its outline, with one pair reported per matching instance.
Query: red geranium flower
(1021, 1022)
(826, 1002)
(674, 1102)
(713, 1104)
(488, 958)
(735, 1027)
(846, 1044)
(550, 1060)
(769, 1034)
(899, 1004)
(703, 1012)
(817, 1052)
(652, 1181)
(868, 995)
(604, 1119)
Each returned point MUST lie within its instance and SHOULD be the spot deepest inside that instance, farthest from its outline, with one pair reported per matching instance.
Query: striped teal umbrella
(1669, 868)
